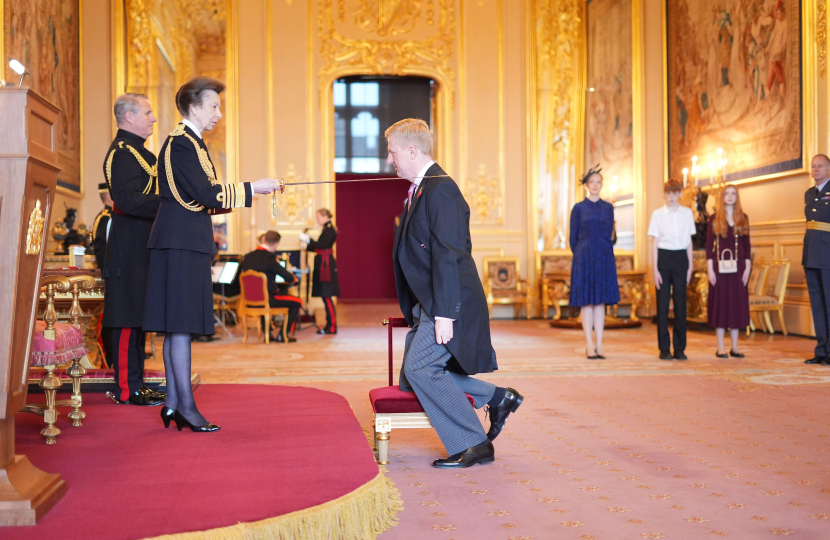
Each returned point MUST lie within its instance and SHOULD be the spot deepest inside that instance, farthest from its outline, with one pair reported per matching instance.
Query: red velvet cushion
(391, 399)
(253, 289)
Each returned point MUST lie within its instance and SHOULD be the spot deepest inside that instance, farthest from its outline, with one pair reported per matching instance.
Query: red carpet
(281, 449)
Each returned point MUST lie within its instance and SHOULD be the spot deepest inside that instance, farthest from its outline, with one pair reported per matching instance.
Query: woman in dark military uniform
(180, 293)
(324, 281)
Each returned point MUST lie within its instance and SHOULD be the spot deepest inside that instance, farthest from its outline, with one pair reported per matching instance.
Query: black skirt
(179, 293)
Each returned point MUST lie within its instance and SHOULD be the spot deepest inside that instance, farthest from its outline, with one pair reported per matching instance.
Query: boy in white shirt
(671, 229)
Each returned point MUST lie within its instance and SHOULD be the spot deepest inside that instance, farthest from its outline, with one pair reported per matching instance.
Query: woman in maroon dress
(728, 239)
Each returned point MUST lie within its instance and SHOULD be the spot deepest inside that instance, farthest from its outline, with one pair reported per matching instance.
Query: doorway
(364, 107)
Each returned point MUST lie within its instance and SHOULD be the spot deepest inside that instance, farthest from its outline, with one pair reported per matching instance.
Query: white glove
(305, 238)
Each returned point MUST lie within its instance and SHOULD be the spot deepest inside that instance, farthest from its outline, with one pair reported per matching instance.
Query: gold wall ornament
(430, 56)
(296, 203)
(140, 36)
(484, 196)
(388, 17)
(556, 36)
(34, 236)
(821, 37)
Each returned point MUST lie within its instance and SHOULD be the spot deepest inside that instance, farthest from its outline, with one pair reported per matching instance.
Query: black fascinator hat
(593, 170)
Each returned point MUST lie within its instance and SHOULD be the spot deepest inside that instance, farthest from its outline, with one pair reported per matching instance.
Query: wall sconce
(18, 68)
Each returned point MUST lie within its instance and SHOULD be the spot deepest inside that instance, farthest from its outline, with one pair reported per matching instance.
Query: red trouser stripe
(332, 313)
(123, 363)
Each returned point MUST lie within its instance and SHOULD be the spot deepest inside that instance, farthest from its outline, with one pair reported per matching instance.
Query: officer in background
(324, 281)
(263, 259)
(130, 170)
(101, 226)
(815, 257)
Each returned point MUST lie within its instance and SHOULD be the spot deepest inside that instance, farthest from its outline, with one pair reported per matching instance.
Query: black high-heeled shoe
(166, 415)
(590, 356)
(181, 422)
(734, 354)
(598, 356)
(719, 355)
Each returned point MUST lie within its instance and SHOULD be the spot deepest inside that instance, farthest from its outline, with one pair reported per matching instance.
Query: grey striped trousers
(440, 392)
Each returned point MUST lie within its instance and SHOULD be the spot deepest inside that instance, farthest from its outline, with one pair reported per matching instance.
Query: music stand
(223, 274)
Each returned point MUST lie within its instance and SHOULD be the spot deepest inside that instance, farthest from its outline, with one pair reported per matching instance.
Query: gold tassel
(360, 515)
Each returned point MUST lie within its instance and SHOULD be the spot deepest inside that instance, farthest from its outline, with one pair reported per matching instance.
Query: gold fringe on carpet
(360, 515)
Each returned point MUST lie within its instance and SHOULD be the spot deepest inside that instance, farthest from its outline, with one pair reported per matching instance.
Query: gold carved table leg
(50, 384)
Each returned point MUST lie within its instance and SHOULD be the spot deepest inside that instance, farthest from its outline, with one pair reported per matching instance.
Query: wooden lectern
(28, 176)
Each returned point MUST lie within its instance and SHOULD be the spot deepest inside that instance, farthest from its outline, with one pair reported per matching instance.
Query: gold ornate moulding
(427, 49)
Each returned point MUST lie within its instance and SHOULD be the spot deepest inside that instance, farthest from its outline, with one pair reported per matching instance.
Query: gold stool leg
(76, 371)
(50, 384)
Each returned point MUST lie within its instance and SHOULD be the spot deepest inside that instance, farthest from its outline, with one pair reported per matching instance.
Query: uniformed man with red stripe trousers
(263, 259)
(324, 282)
(130, 171)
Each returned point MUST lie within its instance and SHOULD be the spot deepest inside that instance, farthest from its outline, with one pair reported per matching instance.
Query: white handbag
(730, 265)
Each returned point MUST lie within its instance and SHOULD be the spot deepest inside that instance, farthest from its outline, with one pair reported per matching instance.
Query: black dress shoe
(719, 355)
(181, 422)
(154, 394)
(137, 398)
(666, 356)
(680, 356)
(167, 415)
(281, 340)
(734, 354)
(484, 453)
(498, 414)
(204, 339)
(323, 331)
(826, 361)
(598, 356)
(815, 360)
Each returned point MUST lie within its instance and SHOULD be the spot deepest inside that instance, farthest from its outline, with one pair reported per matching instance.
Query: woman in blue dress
(593, 271)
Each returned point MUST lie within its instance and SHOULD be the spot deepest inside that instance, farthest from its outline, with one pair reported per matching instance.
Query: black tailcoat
(99, 235)
(816, 252)
(135, 204)
(434, 266)
(325, 241)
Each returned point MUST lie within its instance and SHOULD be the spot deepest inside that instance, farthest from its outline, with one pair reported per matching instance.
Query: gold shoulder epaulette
(150, 170)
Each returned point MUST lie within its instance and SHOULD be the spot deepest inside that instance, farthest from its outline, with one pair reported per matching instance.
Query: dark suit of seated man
(262, 259)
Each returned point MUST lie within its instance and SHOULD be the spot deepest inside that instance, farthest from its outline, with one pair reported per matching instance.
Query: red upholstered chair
(57, 343)
(391, 406)
(254, 302)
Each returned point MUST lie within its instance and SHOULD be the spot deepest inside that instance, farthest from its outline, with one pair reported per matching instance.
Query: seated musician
(262, 259)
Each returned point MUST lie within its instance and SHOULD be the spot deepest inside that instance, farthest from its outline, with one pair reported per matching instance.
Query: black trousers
(293, 303)
(818, 286)
(673, 267)
(331, 315)
(127, 359)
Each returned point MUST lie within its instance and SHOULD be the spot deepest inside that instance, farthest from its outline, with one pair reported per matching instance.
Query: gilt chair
(772, 299)
(757, 281)
(254, 302)
(57, 343)
(392, 407)
(504, 286)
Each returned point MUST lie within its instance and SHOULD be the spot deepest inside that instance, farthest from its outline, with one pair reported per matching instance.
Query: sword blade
(358, 180)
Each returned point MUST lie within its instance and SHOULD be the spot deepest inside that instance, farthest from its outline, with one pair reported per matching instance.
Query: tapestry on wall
(734, 82)
(44, 36)
(609, 125)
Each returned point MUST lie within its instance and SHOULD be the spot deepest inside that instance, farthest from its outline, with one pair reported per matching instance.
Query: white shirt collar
(417, 179)
(192, 126)
(821, 186)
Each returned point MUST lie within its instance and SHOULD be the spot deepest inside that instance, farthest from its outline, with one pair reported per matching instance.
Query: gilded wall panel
(481, 107)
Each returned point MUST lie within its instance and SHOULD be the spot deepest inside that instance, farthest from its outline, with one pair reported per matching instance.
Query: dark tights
(177, 370)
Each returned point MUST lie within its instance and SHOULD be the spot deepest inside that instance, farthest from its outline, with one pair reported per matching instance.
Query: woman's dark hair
(325, 212)
(191, 92)
(593, 170)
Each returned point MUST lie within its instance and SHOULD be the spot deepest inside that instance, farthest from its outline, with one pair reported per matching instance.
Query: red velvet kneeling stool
(392, 406)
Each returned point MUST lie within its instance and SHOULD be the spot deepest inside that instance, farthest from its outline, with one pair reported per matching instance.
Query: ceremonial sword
(283, 185)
